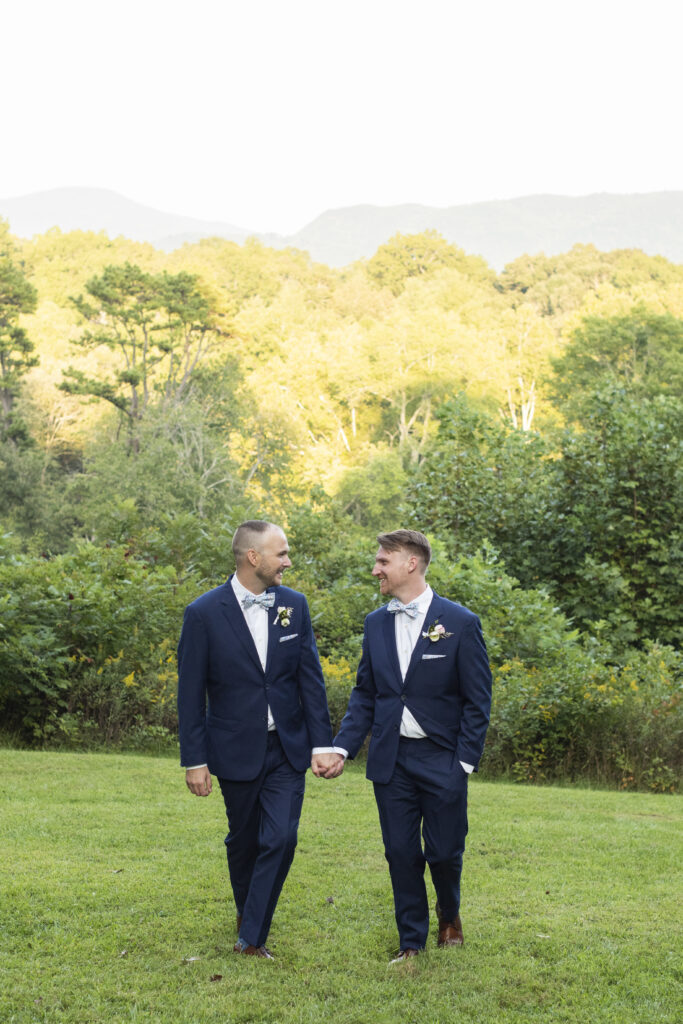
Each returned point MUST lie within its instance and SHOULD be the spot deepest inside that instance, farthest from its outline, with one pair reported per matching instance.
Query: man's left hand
(327, 766)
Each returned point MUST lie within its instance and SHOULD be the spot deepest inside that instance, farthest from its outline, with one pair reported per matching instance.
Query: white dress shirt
(256, 618)
(408, 631)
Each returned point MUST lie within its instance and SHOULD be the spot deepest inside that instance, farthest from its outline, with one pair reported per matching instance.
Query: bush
(87, 645)
(585, 719)
(565, 706)
(340, 678)
(87, 658)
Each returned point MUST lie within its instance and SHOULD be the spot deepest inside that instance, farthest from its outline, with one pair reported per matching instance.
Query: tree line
(529, 422)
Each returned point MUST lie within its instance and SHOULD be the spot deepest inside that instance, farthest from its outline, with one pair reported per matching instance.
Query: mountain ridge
(499, 230)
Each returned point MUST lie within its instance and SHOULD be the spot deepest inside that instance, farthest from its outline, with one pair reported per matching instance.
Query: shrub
(88, 638)
(340, 678)
(582, 718)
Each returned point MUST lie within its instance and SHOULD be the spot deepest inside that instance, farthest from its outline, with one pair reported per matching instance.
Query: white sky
(265, 113)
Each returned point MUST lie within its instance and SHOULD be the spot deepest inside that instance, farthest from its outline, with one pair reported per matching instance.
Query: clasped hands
(327, 766)
(324, 766)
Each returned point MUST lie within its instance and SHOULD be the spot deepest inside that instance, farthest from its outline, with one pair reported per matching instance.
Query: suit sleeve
(474, 676)
(360, 714)
(193, 658)
(312, 687)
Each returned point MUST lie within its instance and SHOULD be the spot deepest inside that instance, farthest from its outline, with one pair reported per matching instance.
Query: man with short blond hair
(410, 540)
(423, 690)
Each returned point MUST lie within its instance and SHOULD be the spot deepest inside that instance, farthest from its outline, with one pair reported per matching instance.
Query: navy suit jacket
(224, 693)
(447, 689)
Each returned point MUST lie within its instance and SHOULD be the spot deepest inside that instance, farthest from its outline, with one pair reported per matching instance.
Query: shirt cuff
(340, 750)
(322, 750)
(469, 768)
(191, 767)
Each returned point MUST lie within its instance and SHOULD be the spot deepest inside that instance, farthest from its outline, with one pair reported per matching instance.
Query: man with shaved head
(252, 711)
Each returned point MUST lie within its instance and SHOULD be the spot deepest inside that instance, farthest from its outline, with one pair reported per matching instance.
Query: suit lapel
(389, 632)
(235, 619)
(422, 641)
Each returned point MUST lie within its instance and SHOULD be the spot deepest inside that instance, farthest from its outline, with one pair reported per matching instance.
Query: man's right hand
(334, 768)
(198, 780)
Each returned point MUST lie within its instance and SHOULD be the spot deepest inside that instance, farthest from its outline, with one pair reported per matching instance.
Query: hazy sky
(264, 113)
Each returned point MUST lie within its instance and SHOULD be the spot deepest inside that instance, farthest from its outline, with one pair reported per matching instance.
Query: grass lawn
(116, 906)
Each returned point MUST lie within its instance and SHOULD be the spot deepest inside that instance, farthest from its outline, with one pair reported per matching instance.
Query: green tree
(479, 479)
(642, 352)
(17, 296)
(183, 466)
(612, 550)
(556, 285)
(371, 491)
(594, 517)
(406, 256)
(160, 326)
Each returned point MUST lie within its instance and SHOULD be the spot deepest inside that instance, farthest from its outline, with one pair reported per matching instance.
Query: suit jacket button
(403, 698)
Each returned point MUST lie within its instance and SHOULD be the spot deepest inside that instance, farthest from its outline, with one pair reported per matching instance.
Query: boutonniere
(436, 632)
(283, 617)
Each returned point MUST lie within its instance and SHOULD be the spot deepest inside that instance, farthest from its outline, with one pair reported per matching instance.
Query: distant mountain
(99, 209)
(499, 231)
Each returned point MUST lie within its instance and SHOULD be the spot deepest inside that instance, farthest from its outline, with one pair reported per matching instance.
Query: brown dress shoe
(405, 954)
(450, 932)
(253, 951)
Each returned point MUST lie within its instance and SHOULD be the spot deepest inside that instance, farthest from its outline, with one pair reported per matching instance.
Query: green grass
(113, 875)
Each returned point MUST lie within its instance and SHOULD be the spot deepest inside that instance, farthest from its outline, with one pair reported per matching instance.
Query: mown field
(116, 906)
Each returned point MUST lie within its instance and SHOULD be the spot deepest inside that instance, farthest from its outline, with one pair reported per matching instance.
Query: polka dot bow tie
(264, 600)
(411, 609)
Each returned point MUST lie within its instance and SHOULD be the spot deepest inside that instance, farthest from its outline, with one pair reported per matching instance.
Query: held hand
(198, 781)
(337, 768)
(325, 766)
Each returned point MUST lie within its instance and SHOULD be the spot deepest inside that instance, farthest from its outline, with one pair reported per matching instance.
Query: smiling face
(398, 573)
(270, 558)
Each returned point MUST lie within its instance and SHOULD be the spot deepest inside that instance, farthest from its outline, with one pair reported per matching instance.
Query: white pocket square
(429, 657)
(290, 637)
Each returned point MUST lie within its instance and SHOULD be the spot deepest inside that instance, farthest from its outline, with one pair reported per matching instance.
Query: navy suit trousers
(263, 818)
(426, 794)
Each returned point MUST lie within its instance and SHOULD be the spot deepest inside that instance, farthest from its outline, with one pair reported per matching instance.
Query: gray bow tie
(411, 609)
(264, 600)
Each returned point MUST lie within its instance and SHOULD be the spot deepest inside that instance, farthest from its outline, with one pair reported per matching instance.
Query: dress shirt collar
(241, 591)
(424, 600)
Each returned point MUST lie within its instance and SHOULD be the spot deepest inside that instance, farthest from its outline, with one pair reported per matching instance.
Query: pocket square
(430, 657)
(290, 637)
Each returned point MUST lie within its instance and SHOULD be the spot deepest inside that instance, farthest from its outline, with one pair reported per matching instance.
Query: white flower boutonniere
(283, 617)
(436, 632)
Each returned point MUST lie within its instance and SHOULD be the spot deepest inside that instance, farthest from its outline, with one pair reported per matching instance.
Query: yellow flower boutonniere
(436, 632)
